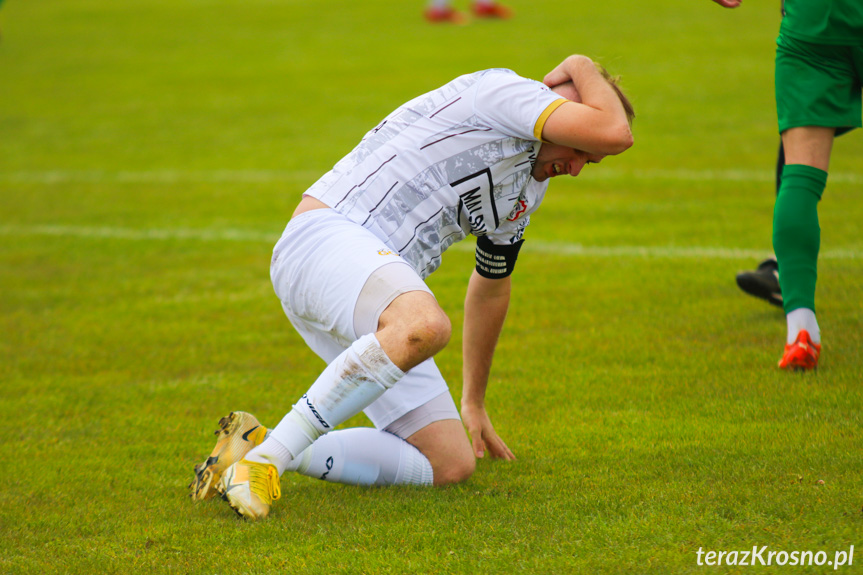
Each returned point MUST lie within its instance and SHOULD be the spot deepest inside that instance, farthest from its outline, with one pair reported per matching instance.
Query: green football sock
(797, 234)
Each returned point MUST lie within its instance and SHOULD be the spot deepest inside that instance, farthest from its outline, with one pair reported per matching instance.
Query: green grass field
(151, 152)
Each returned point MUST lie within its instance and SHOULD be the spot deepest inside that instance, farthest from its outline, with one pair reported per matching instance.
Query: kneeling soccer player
(472, 157)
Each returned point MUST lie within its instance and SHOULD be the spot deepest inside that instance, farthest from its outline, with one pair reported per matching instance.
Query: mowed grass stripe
(276, 176)
(538, 246)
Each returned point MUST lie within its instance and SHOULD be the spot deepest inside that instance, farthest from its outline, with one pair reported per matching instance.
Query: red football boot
(491, 10)
(448, 14)
(802, 355)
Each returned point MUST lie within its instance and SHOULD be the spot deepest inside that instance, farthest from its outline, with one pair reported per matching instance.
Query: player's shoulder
(472, 79)
(504, 78)
(493, 80)
(504, 71)
(501, 74)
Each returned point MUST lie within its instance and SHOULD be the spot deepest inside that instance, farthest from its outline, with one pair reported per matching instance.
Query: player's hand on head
(563, 72)
(568, 90)
(483, 437)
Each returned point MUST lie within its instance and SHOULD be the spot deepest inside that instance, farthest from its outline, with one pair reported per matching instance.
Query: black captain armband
(494, 261)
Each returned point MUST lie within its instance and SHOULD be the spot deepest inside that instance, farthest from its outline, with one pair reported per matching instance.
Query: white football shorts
(319, 267)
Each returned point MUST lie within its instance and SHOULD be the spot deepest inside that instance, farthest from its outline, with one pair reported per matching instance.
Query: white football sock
(799, 319)
(349, 384)
(364, 456)
(272, 452)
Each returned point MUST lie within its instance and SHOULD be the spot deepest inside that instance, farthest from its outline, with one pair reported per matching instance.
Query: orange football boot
(802, 355)
(448, 14)
(491, 10)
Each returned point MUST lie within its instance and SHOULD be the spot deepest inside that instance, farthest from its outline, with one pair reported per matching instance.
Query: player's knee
(429, 332)
(455, 470)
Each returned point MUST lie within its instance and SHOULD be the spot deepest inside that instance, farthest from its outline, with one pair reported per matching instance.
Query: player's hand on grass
(482, 434)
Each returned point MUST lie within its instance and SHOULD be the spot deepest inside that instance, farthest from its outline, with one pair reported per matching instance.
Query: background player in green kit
(819, 66)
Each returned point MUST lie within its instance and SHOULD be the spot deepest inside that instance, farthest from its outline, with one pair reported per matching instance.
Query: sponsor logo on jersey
(384, 252)
(476, 193)
(518, 210)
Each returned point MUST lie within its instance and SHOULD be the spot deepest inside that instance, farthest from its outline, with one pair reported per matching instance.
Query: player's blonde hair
(614, 82)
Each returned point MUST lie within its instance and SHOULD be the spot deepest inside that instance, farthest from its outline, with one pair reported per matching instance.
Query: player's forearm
(599, 123)
(593, 88)
(485, 310)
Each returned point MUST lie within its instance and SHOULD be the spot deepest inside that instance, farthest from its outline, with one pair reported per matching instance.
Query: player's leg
(763, 281)
(363, 456)
(319, 283)
(797, 235)
(445, 444)
(426, 445)
(418, 407)
(353, 381)
(490, 9)
(419, 403)
(780, 165)
(808, 146)
(443, 11)
(413, 329)
(817, 90)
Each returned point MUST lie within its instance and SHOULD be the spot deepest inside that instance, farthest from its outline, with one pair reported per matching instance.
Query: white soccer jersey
(451, 162)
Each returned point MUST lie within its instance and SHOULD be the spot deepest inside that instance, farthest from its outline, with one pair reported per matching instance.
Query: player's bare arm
(485, 310)
(597, 125)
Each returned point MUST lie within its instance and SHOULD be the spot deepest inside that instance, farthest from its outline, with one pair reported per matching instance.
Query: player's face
(554, 160)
